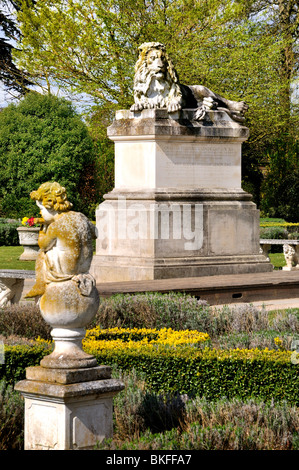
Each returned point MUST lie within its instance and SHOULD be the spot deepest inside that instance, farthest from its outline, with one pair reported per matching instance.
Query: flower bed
(140, 338)
(178, 362)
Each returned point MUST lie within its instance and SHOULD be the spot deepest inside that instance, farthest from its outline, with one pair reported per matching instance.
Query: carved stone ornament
(290, 254)
(68, 296)
(156, 85)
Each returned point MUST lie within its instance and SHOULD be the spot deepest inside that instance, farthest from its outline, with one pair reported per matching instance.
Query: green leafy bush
(42, 139)
(23, 321)
(18, 357)
(276, 233)
(152, 310)
(11, 418)
(147, 421)
(203, 424)
(8, 233)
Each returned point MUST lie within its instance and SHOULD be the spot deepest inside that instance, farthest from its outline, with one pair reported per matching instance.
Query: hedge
(279, 224)
(8, 233)
(212, 373)
(18, 357)
(204, 372)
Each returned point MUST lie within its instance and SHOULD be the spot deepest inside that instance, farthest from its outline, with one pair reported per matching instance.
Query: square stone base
(147, 235)
(68, 409)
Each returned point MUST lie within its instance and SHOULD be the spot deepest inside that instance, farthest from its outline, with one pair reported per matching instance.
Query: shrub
(135, 339)
(208, 372)
(146, 421)
(276, 233)
(18, 357)
(243, 326)
(293, 235)
(152, 310)
(11, 418)
(42, 139)
(23, 320)
(8, 234)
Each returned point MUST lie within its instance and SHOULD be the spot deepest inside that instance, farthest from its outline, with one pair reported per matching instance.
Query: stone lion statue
(290, 255)
(156, 85)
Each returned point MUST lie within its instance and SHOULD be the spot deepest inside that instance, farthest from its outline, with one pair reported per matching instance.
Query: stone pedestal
(28, 237)
(68, 409)
(177, 209)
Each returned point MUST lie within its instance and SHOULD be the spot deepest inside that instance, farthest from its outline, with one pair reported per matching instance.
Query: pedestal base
(68, 409)
(30, 253)
(68, 352)
(165, 234)
(177, 209)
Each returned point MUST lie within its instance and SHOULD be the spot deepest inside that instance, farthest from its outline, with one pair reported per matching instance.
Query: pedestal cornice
(158, 124)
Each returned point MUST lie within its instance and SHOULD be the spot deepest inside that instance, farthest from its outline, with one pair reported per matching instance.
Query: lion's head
(156, 83)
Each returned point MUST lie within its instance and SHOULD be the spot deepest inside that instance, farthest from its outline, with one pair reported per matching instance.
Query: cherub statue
(156, 85)
(65, 239)
(68, 297)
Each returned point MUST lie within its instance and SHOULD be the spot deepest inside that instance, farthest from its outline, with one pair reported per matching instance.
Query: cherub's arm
(47, 238)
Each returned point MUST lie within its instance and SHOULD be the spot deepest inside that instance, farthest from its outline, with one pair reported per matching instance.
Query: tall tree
(238, 48)
(13, 78)
(91, 46)
(282, 19)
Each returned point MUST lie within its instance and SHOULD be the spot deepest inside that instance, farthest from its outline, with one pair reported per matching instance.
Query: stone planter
(28, 237)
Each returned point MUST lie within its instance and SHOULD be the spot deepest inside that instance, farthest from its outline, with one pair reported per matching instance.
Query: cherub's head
(52, 196)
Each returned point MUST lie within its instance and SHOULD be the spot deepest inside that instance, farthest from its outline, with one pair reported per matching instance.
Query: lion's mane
(143, 76)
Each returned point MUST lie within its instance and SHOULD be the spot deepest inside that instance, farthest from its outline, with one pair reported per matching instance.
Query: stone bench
(12, 285)
(290, 250)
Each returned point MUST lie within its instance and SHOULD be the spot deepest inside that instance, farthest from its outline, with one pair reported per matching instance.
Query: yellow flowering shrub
(119, 338)
(172, 363)
(279, 224)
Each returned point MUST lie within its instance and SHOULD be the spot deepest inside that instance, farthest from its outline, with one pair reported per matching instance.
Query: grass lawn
(277, 259)
(9, 259)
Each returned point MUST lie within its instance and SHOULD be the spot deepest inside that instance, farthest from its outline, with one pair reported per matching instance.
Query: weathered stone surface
(68, 352)
(68, 398)
(157, 85)
(169, 234)
(28, 237)
(290, 250)
(159, 123)
(177, 209)
(69, 391)
(67, 416)
(12, 285)
(156, 151)
(67, 376)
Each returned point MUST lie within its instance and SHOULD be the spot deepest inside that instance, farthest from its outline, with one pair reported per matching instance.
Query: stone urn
(68, 307)
(28, 238)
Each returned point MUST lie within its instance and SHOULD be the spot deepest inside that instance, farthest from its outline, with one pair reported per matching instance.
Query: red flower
(30, 221)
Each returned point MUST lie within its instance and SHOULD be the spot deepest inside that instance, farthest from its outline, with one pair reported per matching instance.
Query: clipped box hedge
(211, 373)
(18, 357)
(183, 368)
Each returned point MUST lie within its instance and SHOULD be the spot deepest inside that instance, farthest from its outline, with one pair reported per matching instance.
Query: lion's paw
(136, 107)
(239, 107)
(173, 107)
